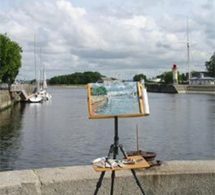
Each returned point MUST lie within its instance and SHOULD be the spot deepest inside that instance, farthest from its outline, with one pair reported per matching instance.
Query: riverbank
(69, 86)
(5, 99)
(201, 89)
(194, 89)
(160, 88)
(173, 177)
(8, 98)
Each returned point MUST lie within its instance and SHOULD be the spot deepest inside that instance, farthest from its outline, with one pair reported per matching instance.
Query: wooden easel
(114, 150)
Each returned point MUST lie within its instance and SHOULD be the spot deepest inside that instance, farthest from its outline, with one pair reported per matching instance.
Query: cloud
(127, 37)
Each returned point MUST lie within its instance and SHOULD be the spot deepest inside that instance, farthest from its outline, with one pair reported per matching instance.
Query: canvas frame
(140, 99)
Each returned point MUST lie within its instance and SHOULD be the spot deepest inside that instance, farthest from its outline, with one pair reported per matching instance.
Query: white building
(202, 80)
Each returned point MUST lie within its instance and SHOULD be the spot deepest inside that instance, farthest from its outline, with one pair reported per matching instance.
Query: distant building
(106, 80)
(202, 80)
(155, 80)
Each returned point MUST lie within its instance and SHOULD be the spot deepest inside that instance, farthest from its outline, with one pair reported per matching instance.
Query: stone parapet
(173, 177)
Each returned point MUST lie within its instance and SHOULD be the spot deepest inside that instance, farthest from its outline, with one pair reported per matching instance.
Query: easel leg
(112, 182)
(132, 170)
(99, 183)
(137, 181)
(110, 150)
(123, 151)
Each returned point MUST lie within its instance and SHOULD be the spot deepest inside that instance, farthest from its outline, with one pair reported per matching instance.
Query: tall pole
(188, 52)
(137, 137)
(41, 73)
(35, 63)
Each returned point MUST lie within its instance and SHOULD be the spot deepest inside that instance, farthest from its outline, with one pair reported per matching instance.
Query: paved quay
(172, 177)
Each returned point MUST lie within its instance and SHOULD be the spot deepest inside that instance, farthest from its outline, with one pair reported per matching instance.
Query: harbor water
(59, 133)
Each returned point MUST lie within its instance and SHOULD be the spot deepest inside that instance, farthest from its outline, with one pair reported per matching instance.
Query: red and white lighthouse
(175, 74)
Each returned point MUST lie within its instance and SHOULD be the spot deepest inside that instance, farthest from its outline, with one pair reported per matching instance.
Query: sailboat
(43, 91)
(35, 97)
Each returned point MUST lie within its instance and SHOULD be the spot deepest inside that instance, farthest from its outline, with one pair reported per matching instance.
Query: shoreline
(69, 86)
(160, 88)
(180, 89)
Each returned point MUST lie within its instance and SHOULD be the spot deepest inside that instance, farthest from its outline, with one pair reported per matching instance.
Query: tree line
(76, 78)
(165, 77)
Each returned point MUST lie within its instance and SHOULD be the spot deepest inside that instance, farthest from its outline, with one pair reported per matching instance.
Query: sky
(118, 38)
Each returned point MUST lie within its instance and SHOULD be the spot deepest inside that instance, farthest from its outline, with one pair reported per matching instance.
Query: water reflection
(59, 133)
(10, 136)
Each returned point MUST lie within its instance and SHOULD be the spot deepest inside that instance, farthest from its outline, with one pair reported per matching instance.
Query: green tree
(76, 78)
(210, 66)
(139, 77)
(182, 78)
(10, 59)
(166, 77)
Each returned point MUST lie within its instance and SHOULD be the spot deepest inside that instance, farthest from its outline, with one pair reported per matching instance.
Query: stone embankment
(162, 88)
(207, 89)
(174, 177)
(9, 98)
(5, 99)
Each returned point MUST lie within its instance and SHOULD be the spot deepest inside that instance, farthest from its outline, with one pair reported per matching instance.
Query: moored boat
(45, 95)
(35, 98)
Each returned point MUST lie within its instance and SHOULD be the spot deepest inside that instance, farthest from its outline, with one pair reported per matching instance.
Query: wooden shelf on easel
(140, 163)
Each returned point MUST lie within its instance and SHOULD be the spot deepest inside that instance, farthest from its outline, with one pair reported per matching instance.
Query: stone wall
(7, 99)
(174, 177)
(161, 88)
(208, 89)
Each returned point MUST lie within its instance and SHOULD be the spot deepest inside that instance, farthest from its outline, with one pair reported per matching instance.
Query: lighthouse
(175, 74)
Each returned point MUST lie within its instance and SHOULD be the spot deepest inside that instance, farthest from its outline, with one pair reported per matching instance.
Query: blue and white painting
(115, 98)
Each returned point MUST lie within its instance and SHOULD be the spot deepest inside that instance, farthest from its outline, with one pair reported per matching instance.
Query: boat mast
(44, 78)
(41, 73)
(188, 52)
(35, 66)
(35, 63)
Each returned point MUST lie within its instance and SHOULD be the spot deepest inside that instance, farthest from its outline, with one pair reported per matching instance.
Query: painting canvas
(117, 99)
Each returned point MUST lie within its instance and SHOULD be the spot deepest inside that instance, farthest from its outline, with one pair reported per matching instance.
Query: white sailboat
(43, 91)
(35, 97)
